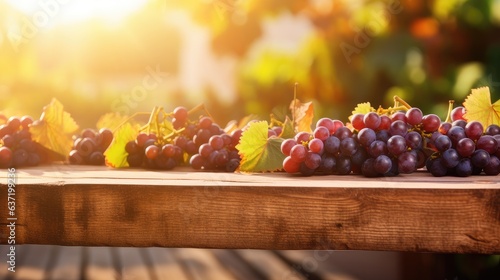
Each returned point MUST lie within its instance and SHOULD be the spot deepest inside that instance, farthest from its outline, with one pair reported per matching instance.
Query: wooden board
(97, 206)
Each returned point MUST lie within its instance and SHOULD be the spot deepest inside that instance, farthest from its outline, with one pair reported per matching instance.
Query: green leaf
(259, 153)
(55, 128)
(116, 156)
(288, 129)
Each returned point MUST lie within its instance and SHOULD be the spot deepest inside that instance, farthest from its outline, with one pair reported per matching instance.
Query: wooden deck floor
(66, 262)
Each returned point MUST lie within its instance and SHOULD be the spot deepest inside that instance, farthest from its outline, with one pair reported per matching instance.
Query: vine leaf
(259, 153)
(288, 129)
(116, 156)
(478, 107)
(304, 114)
(54, 128)
(363, 108)
(111, 120)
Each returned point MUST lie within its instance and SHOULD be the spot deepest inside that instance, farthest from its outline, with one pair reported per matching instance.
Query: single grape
(357, 121)
(8, 141)
(464, 168)
(205, 150)
(456, 133)
(377, 148)
(466, 147)
(202, 137)
(316, 146)
(106, 137)
(197, 162)
(216, 142)
(343, 165)
(287, 145)
(337, 124)
(431, 123)
(312, 160)
(492, 130)
(474, 130)
(442, 143)
(359, 157)
(396, 145)
(493, 166)
(368, 168)
(457, 113)
(270, 133)
(398, 128)
(385, 123)
(332, 145)
(181, 141)
(181, 114)
(232, 165)
(328, 163)
(26, 121)
(348, 146)
(86, 147)
(343, 132)
(205, 123)
(152, 151)
(450, 158)
(5, 156)
(444, 128)
(75, 157)
(328, 123)
(407, 163)
(277, 130)
(401, 116)
(141, 139)
(302, 137)
(487, 143)
(460, 123)
(480, 158)
(366, 136)
(168, 150)
(383, 135)
(371, 120)
(298, 153)
(306, 171)
(96, 158)
(14, 123)
(191, 147)
(19, 157)
(436, 168)
(413, 140)
(321, 133)
(382, 164)
(414, 116)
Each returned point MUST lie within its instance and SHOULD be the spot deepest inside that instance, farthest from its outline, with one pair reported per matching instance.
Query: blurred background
(244, 56)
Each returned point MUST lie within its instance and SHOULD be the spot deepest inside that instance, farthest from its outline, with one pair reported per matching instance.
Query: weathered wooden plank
(132, 264)
(164, 264)
(68, 264)
(99, 264)
(202, 264)
(35, 262)
(85, 206)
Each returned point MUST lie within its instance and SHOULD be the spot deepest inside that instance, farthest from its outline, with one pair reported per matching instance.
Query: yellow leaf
(478, 107)
(111, 121)
(304, 114)
(116, 156)
(363, 108)
(55, 128)
(258, 152)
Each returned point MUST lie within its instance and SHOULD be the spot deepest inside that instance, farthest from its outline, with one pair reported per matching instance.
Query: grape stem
(294, 106)
(129, 118)
(398, 100)
(450, 108)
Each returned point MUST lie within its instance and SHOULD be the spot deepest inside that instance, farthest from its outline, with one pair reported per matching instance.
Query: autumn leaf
(111, 121)
(304, 114)
(116, 156)
(288, 130)
(478, 107)
(259, 153)
(54, 129)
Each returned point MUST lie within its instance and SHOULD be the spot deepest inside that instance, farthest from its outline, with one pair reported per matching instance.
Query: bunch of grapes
(465, 150)
(379, 145)
(89, 147)
(16, 146)
(203, 143)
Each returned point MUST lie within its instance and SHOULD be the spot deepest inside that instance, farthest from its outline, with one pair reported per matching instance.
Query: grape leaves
(478, 107)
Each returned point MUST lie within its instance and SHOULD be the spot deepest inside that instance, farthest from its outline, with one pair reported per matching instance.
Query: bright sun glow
(66, 11)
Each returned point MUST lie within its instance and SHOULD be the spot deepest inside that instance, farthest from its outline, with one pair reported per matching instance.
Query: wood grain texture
(95, 206)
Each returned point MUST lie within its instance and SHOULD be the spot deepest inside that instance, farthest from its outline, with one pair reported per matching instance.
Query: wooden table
(97, 206)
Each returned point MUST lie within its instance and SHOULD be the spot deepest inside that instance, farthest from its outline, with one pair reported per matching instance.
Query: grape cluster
(147, 151)
(89, 147)
(465, 150)
(203, 144)
(379, 145)
(16, 146)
